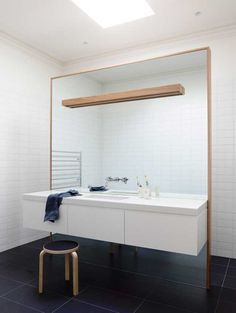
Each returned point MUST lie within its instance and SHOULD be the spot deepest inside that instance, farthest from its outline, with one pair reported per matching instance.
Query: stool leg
(41, 255)
(75, 273)
(67, 266)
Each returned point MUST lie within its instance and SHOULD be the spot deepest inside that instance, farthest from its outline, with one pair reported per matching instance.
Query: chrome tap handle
(125, 179)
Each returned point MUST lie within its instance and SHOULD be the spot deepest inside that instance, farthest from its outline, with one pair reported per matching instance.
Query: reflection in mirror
(162, 142)
(164, 139)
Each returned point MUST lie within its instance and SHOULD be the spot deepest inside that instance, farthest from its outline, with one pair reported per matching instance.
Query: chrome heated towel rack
(66, 169)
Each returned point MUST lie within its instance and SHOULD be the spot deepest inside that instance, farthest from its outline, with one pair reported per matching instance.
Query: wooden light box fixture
(124, 96)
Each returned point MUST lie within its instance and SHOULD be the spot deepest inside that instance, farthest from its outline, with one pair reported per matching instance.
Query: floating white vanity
(175, 223)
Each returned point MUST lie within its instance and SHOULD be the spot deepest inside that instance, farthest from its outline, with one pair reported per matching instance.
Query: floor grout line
(142, 274)
(97, 306)
(21, 304)
(171, 306)
(9, 291)
(82, 291)
(17, 281)
(139, 306)
(109, 290)
(221, 287)
(115, 291)
(233, 266)
(62, 305)
(31, 284)
(226, 272)
(143, 301)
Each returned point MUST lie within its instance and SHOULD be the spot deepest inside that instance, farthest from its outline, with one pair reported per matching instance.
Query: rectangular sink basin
(123, 193)
(106, 197)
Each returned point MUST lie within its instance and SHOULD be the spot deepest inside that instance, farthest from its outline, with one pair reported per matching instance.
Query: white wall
(223, 47)
(24, 136)
(165, 138)
(24, 126)
(78, 130)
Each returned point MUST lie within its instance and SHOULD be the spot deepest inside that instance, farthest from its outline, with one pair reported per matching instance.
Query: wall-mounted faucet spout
(116, 179)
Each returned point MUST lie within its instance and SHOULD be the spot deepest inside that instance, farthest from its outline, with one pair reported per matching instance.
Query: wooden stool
(67, 248)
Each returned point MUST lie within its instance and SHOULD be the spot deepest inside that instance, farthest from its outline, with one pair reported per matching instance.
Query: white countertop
(184, 204)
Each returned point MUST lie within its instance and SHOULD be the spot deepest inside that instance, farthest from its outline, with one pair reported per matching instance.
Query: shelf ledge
(130, 95)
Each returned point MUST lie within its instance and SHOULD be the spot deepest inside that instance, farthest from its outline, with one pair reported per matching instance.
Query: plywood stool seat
(68, 248)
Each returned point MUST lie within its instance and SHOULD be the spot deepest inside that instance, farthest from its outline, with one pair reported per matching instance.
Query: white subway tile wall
(24, 138)
(224, 169)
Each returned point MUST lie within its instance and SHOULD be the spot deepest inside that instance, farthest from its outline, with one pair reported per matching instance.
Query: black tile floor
(126, 281)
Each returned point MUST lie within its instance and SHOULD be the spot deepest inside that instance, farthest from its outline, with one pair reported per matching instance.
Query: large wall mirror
(163, 138)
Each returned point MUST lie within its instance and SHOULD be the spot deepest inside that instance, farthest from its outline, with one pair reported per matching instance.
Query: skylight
(109, 13)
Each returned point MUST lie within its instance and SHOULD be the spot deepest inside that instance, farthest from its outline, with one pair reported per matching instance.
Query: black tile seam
(143, 275)
(170, 306)
(20, 304)
(9, 291)
(60, 306)
(221, 288)
(96, 306)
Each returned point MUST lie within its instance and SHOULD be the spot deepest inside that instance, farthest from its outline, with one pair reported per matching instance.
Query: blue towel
(53, 203)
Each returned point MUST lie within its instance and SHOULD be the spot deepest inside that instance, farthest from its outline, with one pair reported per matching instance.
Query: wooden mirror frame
(209, 137)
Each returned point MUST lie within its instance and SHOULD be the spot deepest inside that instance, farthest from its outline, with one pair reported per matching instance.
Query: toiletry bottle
(146, 189)
(140, 188)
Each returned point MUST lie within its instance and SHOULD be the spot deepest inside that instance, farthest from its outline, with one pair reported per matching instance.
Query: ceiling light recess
(109, 13)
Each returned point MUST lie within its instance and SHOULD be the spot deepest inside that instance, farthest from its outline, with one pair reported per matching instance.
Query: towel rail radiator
(66, 169)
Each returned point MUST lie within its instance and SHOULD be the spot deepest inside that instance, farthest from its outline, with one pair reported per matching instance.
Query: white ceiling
(59, 28)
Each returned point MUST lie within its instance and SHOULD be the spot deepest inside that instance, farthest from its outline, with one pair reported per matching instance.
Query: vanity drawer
(96, 223)
(168, 232)
(33, 215)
